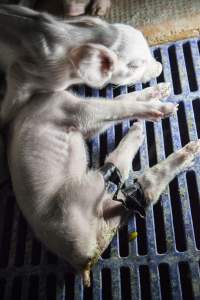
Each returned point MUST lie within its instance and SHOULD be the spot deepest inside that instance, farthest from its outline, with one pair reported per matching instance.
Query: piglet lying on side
(70, 207)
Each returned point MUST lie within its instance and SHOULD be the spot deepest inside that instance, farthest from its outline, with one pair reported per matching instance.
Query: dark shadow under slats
(165, 284)
(103, 147)
(123, 241)
(196, 108)
(167, 137)
(88, 91)
(69, 286)
(190, 67)
(131, 88)
(21, 239)
(33, 287)
(185, 278)
(2, 287)
(36, 252)
(142, 238)
(194, 204)
(116, 91)
(51, 258)
(199, 46)
(159, 228)
(182, 123)
(125, 283)
(7, 231)
(89, 145)
(118, 134)
(145, 85)
(51, 287)
(174, 70)
(136, 164)
(106, 253)
(16, 288)
(151, 143)
(106, 284)
(145, 283)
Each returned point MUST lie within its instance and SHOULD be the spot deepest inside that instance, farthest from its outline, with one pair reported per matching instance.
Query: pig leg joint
(133, 196)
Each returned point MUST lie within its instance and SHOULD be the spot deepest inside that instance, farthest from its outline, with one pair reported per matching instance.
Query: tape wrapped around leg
(133, 195)
(134, 198)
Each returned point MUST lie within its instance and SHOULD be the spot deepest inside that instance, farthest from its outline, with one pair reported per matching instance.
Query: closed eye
(131, 66)
(136, 64)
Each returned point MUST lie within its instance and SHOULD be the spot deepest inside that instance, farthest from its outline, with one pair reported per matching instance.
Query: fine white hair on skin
(67, 205)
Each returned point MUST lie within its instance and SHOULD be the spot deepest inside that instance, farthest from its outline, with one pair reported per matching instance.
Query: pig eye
(131, 66)
(136, 64)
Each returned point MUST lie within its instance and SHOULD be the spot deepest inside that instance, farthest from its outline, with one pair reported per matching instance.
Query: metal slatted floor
(164, 261)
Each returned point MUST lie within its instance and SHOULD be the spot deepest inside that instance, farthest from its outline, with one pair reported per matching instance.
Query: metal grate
(164, 261)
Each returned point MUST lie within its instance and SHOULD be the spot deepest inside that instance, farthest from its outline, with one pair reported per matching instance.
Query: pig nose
(158, 68)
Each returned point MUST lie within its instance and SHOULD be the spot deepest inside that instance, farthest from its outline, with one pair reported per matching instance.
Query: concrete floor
(161, 21)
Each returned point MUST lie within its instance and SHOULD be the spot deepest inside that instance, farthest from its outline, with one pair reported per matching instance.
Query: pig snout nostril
(158, 68)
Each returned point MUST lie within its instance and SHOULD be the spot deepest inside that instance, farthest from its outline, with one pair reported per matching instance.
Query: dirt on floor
(161, 21)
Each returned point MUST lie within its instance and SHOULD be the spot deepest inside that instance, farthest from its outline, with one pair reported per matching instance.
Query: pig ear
(94, 64)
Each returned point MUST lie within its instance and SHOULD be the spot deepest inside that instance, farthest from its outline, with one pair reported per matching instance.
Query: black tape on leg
(112, 177)
(134, 198)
